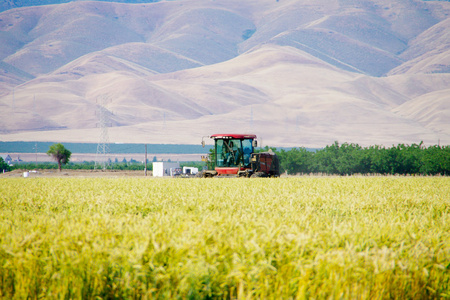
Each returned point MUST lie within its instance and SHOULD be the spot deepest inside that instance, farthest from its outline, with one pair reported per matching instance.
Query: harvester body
(234, 155)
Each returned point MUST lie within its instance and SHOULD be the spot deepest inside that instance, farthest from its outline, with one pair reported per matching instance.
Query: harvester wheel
(258, 174)
(245, 173)
(209, 174)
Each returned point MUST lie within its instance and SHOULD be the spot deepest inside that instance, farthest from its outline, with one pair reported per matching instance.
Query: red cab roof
(233, 136)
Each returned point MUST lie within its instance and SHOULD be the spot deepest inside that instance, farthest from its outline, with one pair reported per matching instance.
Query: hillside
(296, 73)
(9, 4)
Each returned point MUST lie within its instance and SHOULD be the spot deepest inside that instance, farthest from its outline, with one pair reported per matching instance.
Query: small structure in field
(162, 168)
(190, 171)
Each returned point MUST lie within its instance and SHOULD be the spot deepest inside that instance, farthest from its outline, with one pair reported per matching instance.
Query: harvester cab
(234, 155)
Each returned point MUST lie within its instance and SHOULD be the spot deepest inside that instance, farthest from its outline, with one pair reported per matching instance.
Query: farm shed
(162, 168)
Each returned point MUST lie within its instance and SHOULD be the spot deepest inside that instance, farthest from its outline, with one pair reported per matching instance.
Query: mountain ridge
(293, 72)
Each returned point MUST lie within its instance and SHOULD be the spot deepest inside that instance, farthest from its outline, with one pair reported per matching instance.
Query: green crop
(285, 238)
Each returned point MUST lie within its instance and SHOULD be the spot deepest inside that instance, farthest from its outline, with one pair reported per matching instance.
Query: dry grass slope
(295, 72)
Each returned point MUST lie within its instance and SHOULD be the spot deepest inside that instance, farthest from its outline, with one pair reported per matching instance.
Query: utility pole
(35, 149)
(145, 169)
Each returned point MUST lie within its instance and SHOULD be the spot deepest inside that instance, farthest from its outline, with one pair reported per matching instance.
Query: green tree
(435, 160)
(325, 159)
(379, 160)
(296, 160)
(348, 159)
(60, 154)
(4, 166)
(445, 160)
(211, 162)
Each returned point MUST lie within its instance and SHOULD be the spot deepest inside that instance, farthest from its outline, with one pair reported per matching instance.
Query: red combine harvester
(234, 155)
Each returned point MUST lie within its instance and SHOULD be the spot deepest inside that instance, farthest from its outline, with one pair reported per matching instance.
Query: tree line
(348, 159)
(335, 159)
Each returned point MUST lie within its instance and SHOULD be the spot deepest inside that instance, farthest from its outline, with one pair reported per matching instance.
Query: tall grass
(290, 238)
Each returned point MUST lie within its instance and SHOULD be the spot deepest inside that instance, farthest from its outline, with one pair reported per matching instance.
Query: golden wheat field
(285, 238)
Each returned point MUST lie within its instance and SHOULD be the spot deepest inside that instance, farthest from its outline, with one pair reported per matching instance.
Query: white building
(162, 168)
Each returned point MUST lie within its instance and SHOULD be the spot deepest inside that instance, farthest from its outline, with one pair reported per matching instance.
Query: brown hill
(296, 73)
(429, 52)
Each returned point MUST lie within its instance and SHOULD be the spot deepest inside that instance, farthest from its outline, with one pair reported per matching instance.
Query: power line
(101, 160)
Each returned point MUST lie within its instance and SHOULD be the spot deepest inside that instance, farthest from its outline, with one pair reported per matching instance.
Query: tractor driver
(232, 155)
